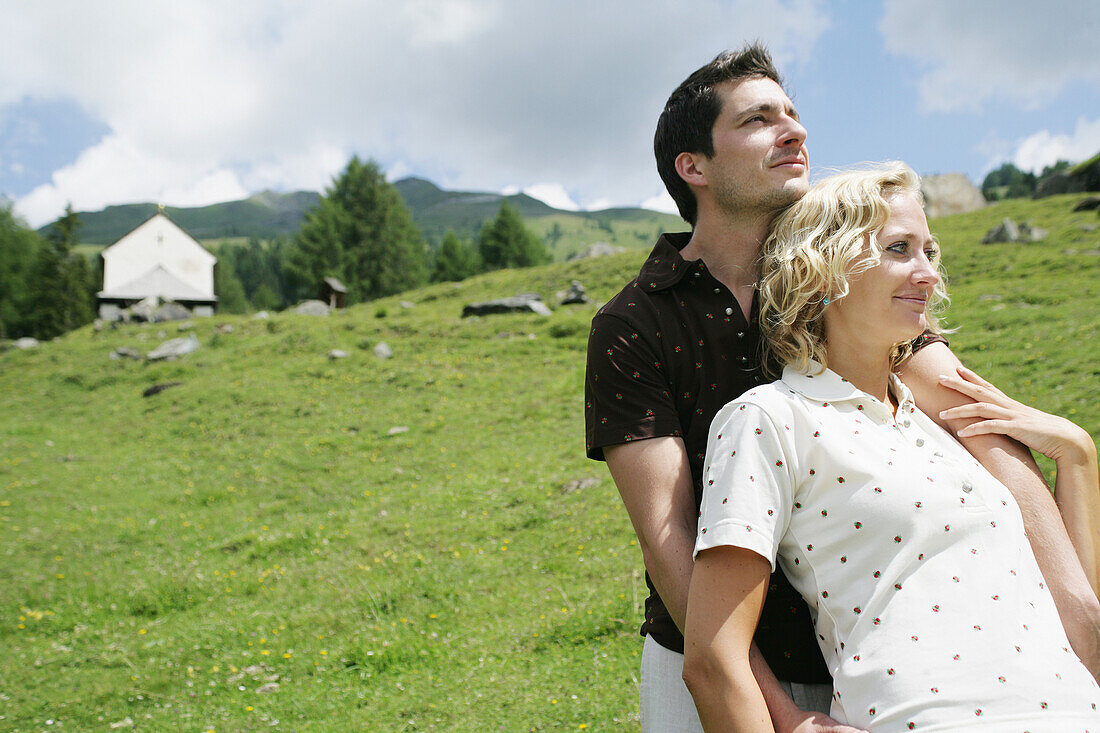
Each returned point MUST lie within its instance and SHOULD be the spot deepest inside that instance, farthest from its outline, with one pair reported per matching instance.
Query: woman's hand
(1053, 436)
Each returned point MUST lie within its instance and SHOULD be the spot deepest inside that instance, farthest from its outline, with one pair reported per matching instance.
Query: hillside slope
(289, 542)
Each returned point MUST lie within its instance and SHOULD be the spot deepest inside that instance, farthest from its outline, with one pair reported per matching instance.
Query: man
(680, 341)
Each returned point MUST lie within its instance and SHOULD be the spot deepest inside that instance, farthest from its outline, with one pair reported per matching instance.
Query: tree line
(360, 232)
(1009, 182)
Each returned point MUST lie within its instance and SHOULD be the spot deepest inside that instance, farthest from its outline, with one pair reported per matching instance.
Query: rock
(1087, 204)
(576, 294)
(950, 193)
(261, 316)
(337, 354)
(267, 689)
(1031, 233)
(1006, 231)
(126, 722)
(597, 249)
(158, 388)
(185, 326)
(144, 310)
(406, 304)
(174, 349)
(224, 328)
(312, 308)
(171, 312)
(522, 303)
(27, 342)
(397, 430)
(383, 351)
(97, 325)
(582, 484)
(125, 352)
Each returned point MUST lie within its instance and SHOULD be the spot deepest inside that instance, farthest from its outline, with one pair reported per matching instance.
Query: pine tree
(456, 260)
(60, 290)
(506, 242)
(18, 249)
(362, 233)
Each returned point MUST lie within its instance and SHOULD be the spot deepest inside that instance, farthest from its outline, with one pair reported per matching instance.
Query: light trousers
(666, 706)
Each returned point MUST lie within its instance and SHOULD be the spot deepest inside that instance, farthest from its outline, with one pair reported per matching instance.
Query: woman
(928, 604)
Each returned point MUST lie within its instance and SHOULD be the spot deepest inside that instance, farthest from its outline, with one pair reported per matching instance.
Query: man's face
(760, 161)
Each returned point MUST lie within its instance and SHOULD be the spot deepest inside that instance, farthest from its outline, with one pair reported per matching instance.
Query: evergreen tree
(360, 232)
(456, 260)
(228, 288)
(506, 242)
(60, 283)
(19, 247)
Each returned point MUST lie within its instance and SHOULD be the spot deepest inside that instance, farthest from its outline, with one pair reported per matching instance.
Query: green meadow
(284, 541)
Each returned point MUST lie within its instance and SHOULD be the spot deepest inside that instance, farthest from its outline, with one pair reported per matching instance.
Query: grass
(258, 548)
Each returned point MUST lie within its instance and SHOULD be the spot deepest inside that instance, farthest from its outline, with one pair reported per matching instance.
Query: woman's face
(887, 304)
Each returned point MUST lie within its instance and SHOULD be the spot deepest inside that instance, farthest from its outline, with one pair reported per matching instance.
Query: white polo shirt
(929, 606)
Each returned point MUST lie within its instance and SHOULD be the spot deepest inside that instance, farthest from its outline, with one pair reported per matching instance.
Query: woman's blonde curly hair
(815, 246)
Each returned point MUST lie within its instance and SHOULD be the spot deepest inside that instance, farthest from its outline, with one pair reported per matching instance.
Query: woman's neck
(867, 368)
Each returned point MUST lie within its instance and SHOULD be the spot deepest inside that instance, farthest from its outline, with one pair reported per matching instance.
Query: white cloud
(661, 202)
(206, 96)
(1046, 148)
(1023, 51)
(552, 194)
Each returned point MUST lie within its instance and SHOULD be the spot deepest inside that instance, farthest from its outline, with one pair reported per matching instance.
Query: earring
(824, 301)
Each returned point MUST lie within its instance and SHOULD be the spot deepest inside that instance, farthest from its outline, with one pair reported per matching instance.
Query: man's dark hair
(687, 122)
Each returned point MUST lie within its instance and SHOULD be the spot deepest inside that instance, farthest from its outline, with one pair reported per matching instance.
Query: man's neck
(730, 248)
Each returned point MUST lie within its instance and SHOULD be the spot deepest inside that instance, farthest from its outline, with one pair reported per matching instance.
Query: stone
(144, 310)
(203, 311)
(337, 354)
(950, 193)
(125, 352)
(261, 316)
(224, 328)
(397, 430)
(27, 342)
(158, 388)
(185, 326)
(582, 484)
(312, 308)
(267, 689)
(1032, 233)
(1087, 204)
(110, 312)
(522, 303)
(596, 249)
(406, 304)
(171, 312)
(383, 351)
(575, 295)
(1006, 231)
(174, 348)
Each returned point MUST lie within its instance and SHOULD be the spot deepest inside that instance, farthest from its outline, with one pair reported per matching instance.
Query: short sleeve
(626, 389)
(748, 490)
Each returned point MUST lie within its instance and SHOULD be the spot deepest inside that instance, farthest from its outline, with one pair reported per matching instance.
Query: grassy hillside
(264, 546)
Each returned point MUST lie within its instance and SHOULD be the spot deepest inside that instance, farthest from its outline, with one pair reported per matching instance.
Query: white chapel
(157, 260)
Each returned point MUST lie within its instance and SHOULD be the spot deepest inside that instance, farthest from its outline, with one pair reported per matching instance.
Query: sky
(200, 101)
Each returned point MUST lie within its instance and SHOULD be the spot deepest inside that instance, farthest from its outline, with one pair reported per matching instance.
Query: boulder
(144, 310)
(522, 303)
(1088, 204)
(950, 193)
(312, 308)
(337, 354)
(1031, 233)
(576, 294)
(1006, 231)
(174, 348)
(171, 312)
(261, 316)
(125, 352)
(383, 351)
(27, 342)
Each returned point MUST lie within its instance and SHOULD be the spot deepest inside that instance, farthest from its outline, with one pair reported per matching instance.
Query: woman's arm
(728, 586)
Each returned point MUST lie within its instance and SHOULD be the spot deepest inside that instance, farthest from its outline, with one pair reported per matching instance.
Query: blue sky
(201, 101)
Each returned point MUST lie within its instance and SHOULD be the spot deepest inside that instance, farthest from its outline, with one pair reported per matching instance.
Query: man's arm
(654, 480)
(1014, 466)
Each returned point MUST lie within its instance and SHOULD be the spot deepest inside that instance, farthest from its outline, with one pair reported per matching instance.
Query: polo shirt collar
(665, 267)
(824, 385)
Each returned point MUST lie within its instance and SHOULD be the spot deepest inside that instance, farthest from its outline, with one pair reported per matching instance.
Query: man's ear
(687, 167)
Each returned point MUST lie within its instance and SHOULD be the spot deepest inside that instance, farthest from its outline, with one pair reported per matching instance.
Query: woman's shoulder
(775, 399)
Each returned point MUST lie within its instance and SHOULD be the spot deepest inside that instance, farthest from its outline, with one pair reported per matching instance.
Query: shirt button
(967, 486)
(905, 422)
(920, 441)
(740, 334)
(729, 312)
(744, 359)
(717, 291)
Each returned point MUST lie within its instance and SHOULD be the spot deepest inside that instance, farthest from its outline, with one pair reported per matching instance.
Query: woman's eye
(932, 254)
(898, 247)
